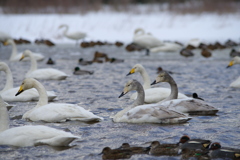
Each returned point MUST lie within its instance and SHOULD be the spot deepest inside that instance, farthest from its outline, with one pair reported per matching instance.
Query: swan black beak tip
(154, 82)
(122, 94)
(128, 74)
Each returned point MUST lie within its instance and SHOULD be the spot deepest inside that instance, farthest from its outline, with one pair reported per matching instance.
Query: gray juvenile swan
(152, 95)
(151, 113)
(31, 135)
(187, 105)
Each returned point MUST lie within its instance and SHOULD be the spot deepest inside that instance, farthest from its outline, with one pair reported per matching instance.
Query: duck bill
(230, 64)
(131, 72)
(19, 91)
(154, 82)
(21, 58)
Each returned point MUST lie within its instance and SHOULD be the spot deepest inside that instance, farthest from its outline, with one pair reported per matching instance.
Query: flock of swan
(151, 105)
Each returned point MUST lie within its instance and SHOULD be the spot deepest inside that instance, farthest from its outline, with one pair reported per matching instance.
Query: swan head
(162, 77)
(7, 42)
(61, 26)
(26, 53)
(235, 60)
(3, 66)
(136, 68)
(27, 83)
(139, 30)
(130, 86)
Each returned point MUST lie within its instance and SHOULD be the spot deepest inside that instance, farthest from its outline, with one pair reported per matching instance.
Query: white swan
(4, 36)
(15, 56)
(167, 47)
(75, 36)
(8, 92)
(44, 73)
(151, 113)
(236, 83)
(53, 112)
(30, 135)
(187, 105)
(152, 95)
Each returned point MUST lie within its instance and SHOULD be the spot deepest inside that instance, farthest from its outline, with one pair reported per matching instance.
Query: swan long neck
(33, 63)
(146, 79)
(140, 96)
(66, 30)
(4, 118)
(43, 98)
(14, 50)
(174, 90)
(9, 79)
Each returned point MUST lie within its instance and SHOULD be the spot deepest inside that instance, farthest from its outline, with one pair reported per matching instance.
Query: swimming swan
(8, 92)
(30, 135)
(53, 112)
(167, 47)
(152, 95)
(235, 60)
(44, 73)
(151, 113)
(75, 36)
(187, 105)
(15, 56)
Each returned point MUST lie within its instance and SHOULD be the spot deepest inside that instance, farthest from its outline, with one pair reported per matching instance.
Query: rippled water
(99, 93)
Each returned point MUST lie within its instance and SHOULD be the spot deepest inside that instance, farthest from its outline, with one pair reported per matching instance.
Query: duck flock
(149, 104)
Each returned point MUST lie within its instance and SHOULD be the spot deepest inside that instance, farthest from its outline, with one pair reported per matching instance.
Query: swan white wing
(146, 40)
(35, 135)
(28, 95)
(155, 95)
(60, 112)
(167, 47)
(236, 83)
(190, 105)
(151, 114)
(47, 73)
(76, 35)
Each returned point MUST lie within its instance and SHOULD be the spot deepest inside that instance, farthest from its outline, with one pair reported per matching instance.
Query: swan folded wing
(47, 73)
(35, 135)
(61, 112)
(190, 105)
(152, 114)
(236, 83)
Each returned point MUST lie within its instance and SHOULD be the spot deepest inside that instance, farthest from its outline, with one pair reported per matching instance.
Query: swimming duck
(53, 112)
(235, 60)
(74, 36)
(78, 71)
(217, 151)
(134, 149)
(158, 149)
(113, 60)
(188, 105)
(8, 92)
(43, 73)
(118, 44)
(206, 53)
(15, 56)
(108, 153)
(186, 143)
(234, 53)
(31, 135)
(50, 61)
(186, 52)
(83, 62)
(152, 95)
(152, 113)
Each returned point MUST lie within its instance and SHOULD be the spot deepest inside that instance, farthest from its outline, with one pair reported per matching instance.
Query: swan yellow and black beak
(21, 58)
(231, 63)
(125, 91)
(131, 71)
(19, 91)
(5, 43)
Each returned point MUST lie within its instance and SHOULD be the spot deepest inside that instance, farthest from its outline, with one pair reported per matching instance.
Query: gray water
(99, 93)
